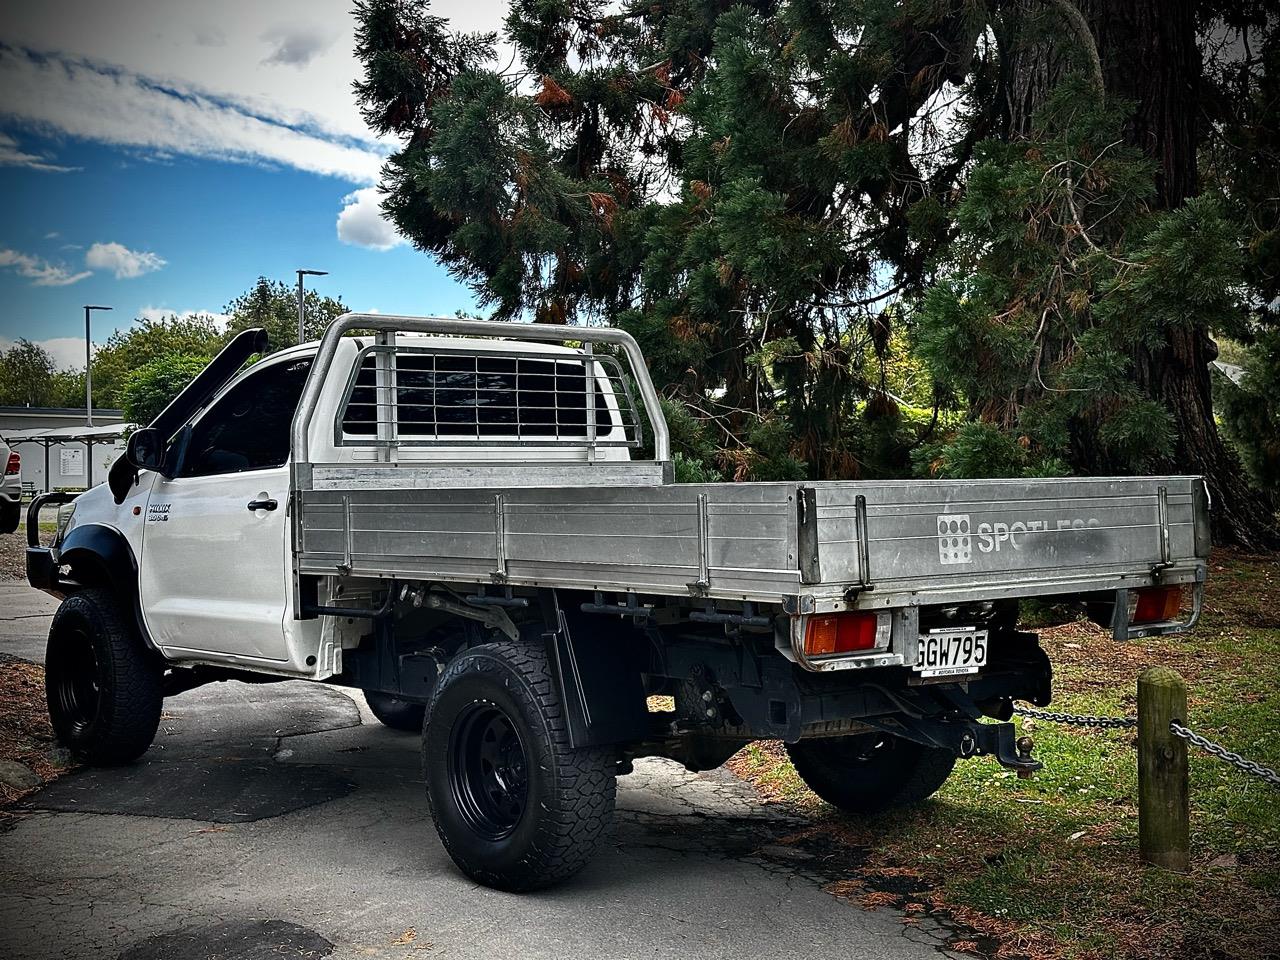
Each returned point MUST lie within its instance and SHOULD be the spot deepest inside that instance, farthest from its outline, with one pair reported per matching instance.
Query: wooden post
(1164, 830)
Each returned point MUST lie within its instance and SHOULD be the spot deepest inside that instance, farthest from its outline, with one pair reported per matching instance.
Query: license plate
(951, 653)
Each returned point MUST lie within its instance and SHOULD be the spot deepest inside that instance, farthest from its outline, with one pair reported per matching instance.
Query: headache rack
(407, 395)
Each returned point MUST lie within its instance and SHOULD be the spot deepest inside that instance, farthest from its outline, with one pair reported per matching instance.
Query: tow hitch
(967, 738)
(998, 739)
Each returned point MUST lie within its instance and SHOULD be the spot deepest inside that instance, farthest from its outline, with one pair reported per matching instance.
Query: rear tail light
(1154, 604)
(831, 633)
(14, 465)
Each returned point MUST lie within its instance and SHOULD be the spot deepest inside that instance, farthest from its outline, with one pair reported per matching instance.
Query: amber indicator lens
(1157, 604)
(840, 633)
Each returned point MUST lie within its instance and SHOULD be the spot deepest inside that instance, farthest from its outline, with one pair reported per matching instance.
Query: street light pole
(302, 302)
(88, 365)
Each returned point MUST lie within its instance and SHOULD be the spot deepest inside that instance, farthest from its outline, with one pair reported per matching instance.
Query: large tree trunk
(1150, 58)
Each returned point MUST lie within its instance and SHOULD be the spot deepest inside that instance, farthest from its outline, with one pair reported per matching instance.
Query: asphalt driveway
(282, 820)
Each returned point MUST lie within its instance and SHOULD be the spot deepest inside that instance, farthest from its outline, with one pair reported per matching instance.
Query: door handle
(267, 504)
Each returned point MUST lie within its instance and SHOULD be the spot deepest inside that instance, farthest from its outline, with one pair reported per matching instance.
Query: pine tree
(784, 200)
(722, 179)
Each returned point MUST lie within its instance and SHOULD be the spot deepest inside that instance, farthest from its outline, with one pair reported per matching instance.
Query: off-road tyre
(870, 773)
(489, 701)
(10, 516)
(102, 685)
(395, 713)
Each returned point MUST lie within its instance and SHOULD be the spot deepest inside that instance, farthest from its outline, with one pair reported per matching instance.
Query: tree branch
(1080, 26)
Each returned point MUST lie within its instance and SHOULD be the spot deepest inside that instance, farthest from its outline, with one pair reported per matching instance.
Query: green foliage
(143, 365)
(26, 376)
(1250, 412)
(1061, 274)
(148, 390)
(974, 451)
(273, 305)
(132, 347)
(66, 388)
(703, 175)
(842, 252)
(692, 448)
(692, 471)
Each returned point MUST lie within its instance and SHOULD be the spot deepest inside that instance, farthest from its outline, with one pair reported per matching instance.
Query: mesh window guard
(436, 396)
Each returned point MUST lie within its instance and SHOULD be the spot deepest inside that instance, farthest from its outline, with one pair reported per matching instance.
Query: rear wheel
(395, 713)
(10, 516)
(870, 772)
(516, 807)
(102, 685)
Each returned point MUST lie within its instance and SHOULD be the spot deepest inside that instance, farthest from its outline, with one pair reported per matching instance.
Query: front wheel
(103, 686)
(516, 807)
(870, 772)
(395, 713)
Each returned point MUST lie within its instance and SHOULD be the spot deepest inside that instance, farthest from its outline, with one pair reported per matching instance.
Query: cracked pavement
(283, 820)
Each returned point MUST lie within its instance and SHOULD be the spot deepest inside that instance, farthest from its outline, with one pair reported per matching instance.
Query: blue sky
(157, 160)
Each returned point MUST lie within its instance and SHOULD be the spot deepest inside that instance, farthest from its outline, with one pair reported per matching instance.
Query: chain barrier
(1265, 774)
(1077, 720)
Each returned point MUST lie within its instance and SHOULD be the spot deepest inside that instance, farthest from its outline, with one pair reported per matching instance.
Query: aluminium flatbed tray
(807, 546)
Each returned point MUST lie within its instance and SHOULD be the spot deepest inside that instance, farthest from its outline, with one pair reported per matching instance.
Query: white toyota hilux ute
(475, 524)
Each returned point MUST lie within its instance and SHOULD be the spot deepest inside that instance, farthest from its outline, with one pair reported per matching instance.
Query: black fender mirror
(145, 449)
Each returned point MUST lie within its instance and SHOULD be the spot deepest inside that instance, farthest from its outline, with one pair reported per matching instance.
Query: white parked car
(10, 488)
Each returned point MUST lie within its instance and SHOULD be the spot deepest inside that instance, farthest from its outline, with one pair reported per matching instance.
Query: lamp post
(88, 362)
(302, 303)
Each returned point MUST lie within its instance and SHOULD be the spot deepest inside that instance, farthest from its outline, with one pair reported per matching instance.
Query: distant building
(58, 449)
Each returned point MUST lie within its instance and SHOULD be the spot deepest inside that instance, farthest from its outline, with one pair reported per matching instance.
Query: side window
(247, 428)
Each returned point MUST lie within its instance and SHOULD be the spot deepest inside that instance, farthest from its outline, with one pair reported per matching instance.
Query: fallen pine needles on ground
(26, 738)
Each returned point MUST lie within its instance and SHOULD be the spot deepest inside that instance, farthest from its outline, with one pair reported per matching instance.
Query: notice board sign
(71, 462)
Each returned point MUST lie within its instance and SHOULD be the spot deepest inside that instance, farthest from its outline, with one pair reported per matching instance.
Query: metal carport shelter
(49, 437)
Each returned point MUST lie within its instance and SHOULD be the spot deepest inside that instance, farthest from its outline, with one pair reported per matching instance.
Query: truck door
(214, 573)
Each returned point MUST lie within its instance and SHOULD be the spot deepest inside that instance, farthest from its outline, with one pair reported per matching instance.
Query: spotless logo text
(958, 536)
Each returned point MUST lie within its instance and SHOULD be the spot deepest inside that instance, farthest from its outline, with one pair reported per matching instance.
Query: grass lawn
(1048, 867)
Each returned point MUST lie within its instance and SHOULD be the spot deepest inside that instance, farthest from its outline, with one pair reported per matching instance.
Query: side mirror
(145, 449)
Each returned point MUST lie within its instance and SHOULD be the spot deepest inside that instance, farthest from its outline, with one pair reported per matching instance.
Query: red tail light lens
(1156, 604)
(832, 633)
(14, 465)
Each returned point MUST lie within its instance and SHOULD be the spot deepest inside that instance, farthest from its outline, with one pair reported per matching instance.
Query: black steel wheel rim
(76, 685)
(867, 747)
(488, 775)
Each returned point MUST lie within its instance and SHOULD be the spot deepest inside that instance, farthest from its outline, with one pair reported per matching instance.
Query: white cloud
(67, 352)
(362, 224)
(40, 272)
(154, 314)
(200, 79)
(113, 106)
(12, 155)
(296, 44)
(123, 262)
